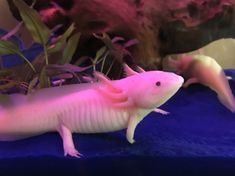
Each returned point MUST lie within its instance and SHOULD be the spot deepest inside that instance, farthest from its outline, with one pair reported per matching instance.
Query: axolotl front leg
(190, 81)
(134, 120)
(158, 110)
(68, 145)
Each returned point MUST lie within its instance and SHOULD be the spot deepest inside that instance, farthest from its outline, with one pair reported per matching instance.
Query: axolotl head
(152, 88)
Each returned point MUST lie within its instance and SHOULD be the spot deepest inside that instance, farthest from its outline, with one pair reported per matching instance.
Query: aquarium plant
(52, 64)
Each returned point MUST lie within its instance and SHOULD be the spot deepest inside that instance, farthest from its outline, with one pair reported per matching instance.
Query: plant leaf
(12, 32)
(99, 54)
(33, 22)
(131, 43)
(7, 47)
(114, 49)
(70, 48)
(106, 39)
(52, 69)
(61, 40)
(8, 85)
(32, 84)
(83, 59)
(117, 39)
(69, 31)
(44, 79)
(5, 72)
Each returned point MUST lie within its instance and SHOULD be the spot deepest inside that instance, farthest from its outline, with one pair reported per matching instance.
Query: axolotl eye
(158, 83)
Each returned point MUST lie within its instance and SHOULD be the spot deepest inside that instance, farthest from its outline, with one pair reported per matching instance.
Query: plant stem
(46, 54)
(24, 58)
(103, 61)
(94, 66)
(111, 65)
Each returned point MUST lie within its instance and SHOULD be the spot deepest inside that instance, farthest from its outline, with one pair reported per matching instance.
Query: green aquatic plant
(53, 66)
(33, 23)
(114, 49)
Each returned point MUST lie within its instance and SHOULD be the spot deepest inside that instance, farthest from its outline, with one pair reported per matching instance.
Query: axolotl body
(103, 106)
(205, 70)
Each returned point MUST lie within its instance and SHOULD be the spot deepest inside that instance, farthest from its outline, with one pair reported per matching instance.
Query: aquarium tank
(117, 87)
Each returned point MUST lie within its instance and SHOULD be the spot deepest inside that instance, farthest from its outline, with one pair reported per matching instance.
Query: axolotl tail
(228, 101)
(231, 106)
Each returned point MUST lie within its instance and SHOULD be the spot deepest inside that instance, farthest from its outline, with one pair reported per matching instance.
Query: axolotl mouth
(172, 81)
(179, 80)
(170, 85)
(175, 81)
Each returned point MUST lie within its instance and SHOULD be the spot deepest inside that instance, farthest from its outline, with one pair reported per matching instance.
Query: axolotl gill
(102, 106)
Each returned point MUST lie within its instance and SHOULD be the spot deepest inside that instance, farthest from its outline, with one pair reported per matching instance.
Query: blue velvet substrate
(198, 137)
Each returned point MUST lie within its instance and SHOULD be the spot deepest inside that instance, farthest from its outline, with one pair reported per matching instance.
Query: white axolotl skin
(205, 70)
(100, 107)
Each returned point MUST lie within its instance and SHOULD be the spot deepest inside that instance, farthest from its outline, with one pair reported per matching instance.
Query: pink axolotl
(205, 70)
(103, 106)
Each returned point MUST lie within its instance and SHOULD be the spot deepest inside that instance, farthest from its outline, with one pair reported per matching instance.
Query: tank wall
(222, 50)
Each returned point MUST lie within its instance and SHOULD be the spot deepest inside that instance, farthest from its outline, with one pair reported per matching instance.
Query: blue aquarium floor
(196, 138)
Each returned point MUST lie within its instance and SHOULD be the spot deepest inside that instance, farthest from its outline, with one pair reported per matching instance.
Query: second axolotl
(103, 106)
(205, 70)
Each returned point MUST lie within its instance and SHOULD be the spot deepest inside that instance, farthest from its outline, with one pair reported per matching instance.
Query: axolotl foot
(71, 151)
(161, 111)
(69, 148)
